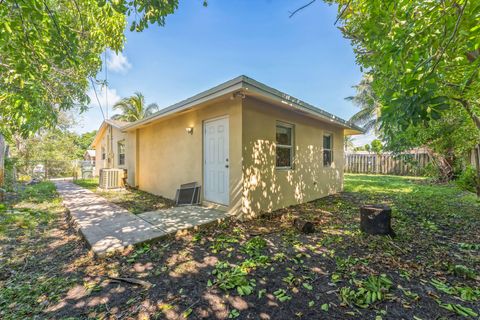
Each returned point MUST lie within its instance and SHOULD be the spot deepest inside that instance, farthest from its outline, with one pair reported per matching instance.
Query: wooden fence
(403, 164)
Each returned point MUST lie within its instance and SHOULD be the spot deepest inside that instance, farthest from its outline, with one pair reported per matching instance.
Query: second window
(327, 150)
(121, 153)
(284, 149)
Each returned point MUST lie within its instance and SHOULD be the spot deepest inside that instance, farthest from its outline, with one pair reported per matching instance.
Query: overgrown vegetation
(30, 276)
(422, 82)
(262, 267)
(40, 79)
(135, 201)
(47, 153)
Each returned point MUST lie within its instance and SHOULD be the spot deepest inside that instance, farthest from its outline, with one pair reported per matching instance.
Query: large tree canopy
(423, 56)
(424, 61)
(50, 50)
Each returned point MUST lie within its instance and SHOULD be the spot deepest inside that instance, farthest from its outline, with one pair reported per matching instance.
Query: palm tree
(133, 108)
(369, 114)
(348, 143)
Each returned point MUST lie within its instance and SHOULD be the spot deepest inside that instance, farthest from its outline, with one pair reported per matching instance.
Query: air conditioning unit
(111, 178)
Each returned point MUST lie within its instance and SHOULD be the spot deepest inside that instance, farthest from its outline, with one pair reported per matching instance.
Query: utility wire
(96, 96)
(106, 82)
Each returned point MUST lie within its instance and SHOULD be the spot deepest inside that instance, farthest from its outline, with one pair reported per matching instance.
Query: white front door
(216, 162)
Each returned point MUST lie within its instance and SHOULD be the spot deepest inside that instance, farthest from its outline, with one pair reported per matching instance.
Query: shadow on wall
(266, 188)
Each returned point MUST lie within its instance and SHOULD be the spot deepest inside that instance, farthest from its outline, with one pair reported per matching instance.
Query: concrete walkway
(108, 227)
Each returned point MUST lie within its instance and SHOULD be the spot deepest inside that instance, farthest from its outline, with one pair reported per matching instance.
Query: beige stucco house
(252, 148)
(109, 144)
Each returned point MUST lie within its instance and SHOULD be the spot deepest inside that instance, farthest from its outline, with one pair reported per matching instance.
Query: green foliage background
(50, 52)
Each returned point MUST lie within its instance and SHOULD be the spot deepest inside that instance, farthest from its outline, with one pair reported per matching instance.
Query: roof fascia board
(248, 84)
(260, 88)
(99, 134)
(215, 92)
(113, 124)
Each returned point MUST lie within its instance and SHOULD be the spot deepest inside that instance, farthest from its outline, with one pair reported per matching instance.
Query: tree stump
(304, 226)
(376, 219)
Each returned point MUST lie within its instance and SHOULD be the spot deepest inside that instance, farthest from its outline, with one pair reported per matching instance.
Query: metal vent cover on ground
(188, 194)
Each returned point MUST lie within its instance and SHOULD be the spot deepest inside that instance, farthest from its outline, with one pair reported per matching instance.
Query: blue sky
(304, 56)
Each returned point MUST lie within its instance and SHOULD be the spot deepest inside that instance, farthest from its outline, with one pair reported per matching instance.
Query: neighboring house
(89, 155)
(109, 144)
(252, 148)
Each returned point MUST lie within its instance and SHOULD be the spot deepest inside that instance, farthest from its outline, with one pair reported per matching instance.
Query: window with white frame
(104, 156)
(327, 149)
(284, 146)
(121, 153)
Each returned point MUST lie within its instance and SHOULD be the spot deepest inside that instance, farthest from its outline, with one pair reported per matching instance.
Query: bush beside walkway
(135, 201)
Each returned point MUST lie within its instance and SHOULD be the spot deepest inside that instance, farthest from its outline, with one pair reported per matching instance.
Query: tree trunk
(476, 120)
(477, 166)
(376, 219)
(2, 160)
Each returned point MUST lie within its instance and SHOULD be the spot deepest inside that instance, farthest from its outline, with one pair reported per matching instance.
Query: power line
(96, 96)
(106, 81)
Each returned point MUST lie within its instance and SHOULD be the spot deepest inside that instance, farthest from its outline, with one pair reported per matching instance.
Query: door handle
(226, 166)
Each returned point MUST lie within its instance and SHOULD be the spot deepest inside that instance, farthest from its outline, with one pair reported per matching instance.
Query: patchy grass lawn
(35, 253)
(133, 200)
(262, 269)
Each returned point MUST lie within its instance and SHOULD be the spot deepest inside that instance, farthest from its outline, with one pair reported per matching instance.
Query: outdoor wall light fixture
(189, 130)
(238, 94)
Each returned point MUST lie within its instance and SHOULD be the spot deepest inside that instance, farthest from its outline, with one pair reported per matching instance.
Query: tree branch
(464, 103)
(301, 8)
(455, 30)
(342, 12)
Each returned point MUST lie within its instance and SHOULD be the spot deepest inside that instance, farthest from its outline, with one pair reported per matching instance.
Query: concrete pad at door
(179, 218)
(107, 227)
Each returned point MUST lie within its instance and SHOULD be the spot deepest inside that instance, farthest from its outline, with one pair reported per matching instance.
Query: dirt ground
(263, 269)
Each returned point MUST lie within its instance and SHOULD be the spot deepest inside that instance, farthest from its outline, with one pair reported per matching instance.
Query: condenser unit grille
(111, 178)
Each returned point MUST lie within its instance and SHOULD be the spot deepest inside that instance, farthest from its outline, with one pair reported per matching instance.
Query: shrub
(468, 179)
(431, 170)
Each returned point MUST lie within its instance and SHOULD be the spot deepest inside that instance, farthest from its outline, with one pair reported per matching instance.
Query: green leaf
(7, 27)
(187, 313)
(307, 286)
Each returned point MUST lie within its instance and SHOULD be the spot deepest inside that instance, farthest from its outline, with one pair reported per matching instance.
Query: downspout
(137, 157)
(110, 151)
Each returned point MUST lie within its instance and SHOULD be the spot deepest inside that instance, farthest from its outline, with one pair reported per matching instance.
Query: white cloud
(107, 99)
(363, 139)
(117, 62)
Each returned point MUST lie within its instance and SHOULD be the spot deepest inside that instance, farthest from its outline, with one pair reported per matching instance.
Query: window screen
(284, 149)
(121, 153)
(327, 150)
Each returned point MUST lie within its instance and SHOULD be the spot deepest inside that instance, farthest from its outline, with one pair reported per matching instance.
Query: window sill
(284, 169)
